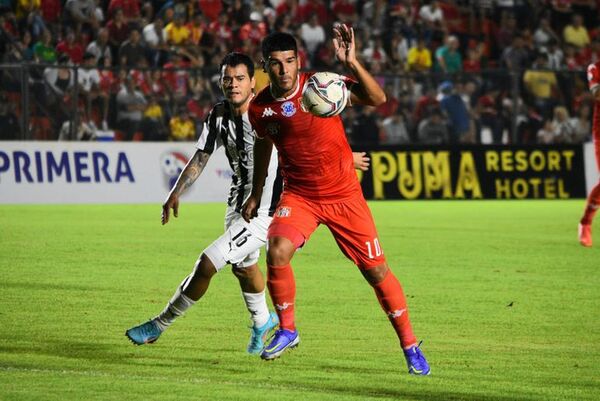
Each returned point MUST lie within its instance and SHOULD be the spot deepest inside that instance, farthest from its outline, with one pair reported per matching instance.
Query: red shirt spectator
(51, 10)
(344, 10)
(221, 29)
(254, 30)
(211, 8)
(289, 7)
(314, 7)
(71, 48)
(118, 30)
(131, 8)
(176, 80)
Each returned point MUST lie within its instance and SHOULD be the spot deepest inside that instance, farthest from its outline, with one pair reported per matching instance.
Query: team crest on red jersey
(288, 109)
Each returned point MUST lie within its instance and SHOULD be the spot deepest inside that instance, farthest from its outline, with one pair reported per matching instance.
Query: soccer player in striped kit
(593, 200)
(320, 187)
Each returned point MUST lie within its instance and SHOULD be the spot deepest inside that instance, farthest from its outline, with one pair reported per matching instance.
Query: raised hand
(343, 43)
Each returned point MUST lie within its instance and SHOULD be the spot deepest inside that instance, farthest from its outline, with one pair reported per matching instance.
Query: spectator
(51, 11)
(85, 131)
(487, 109)
(29, 12)
(221, 29)
(131, 105)
(545, 134)
(314, 7)
(70, 47)
(89, 82)
(448, 58)
(153, 125)
(576, 33)
(132, 51)
(253, 30)
(515, 57)
(455, 110)
(563, 130)
(541, 85)
(433, 130)
(544, 34)
(374, 53)
(582, 123)
(345, 11)
(419, 57)
(82, 14)
(398, 52)
(394, 130)
(313, 35)
(100, 48)
(177, 33)
(211, 9)
(182, 127)
(131, 9)
(197, 28)
(366, 127)
(155, 41)
(9, 123)
(373, 18)
(44, 51)
(118, 30)
(432, 17)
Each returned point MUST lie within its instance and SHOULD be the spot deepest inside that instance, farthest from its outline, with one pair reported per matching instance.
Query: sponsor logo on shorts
(396, 314)
(283, 306)
(284, 211)
(288, 109)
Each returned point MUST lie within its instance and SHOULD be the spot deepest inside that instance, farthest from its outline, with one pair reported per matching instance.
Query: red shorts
(350, 222)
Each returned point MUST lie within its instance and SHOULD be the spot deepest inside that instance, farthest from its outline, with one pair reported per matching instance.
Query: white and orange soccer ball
(325, 94)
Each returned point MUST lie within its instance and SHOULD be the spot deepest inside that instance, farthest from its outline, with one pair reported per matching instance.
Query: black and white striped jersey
(235, 133)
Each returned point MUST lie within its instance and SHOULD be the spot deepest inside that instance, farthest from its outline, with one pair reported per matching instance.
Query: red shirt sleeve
(593, 75)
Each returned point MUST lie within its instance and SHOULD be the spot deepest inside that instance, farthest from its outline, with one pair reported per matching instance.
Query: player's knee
(244, 272)
(375, 275)
(280, 251)
(204, 267)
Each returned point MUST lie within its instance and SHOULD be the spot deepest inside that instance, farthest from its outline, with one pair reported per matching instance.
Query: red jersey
(314, 154)
(593, 75)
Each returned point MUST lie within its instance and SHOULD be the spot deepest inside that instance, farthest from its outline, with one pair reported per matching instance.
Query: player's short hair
(234, 59)
(278, 41)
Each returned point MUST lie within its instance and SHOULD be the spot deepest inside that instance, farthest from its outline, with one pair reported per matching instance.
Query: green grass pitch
(506, 301)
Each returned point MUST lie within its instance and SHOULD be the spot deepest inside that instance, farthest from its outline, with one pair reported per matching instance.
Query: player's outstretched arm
(188, 176)
(368, 91)
(361, 160)
(262, 155)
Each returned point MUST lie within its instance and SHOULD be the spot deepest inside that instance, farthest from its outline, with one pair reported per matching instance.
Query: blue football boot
(258, 335)
(282, 340)
(417, 364)
(145, 333)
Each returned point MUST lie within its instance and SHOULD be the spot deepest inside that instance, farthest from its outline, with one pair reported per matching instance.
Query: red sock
(593, 202)
(391, 298)
(282, 287)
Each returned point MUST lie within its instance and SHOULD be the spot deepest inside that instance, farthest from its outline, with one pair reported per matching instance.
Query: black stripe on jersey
(211, 139)
(239, 144)
(277, 190)
(224, 135)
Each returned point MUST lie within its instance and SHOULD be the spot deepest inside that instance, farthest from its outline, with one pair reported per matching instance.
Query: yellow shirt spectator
(182, 129)
(153, 111)
(419, 59)
(177, 35)
(24, 7)
(577, 36)
(540, 83)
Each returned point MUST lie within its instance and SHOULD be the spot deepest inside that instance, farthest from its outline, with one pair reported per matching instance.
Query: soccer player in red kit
(320, 187)
(593, 200)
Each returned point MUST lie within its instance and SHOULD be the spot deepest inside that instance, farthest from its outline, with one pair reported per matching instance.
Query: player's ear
(263, 64)
(253, 83)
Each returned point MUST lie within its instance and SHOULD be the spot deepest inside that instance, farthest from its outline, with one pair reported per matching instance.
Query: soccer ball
(325, 94)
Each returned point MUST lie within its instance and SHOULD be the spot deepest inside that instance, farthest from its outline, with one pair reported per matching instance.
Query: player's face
(236, 84)
(282, 67)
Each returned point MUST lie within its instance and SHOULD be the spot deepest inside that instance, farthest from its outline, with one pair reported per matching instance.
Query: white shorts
(240, 245)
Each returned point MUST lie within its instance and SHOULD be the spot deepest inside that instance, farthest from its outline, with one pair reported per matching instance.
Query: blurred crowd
(456, 71)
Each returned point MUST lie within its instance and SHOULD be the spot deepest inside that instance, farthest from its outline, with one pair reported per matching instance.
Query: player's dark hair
(278, 42)
(234, 59)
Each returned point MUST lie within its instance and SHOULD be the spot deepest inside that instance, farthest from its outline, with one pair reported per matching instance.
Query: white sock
(257, 306)
(175, 308)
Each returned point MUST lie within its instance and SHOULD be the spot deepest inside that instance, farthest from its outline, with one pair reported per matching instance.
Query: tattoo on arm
(191, 172)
